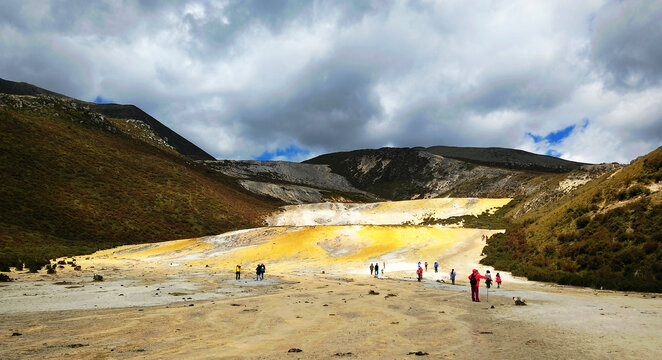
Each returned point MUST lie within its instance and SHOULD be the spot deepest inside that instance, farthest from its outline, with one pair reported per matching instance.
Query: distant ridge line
(181, 144)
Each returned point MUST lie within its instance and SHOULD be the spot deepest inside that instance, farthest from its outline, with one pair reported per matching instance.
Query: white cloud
(239, 78)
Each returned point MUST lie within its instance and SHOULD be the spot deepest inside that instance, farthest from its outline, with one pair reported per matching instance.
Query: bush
(637, 190)
(650, 246)
(5, 278)
(50, 269)
(582, 221)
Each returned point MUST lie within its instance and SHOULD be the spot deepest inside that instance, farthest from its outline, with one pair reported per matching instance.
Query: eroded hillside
(73, 181)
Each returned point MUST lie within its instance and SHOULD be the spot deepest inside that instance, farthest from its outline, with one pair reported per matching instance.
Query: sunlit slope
(313, 248)
(333, 248)
(412, 212)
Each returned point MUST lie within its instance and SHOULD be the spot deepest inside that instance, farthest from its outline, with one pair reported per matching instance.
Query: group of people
(474, 282)
(375, 269)
(259, 272)
(474, 278)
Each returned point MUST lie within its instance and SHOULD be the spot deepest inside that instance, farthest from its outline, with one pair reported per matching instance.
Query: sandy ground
(160, 311)
(180, 300)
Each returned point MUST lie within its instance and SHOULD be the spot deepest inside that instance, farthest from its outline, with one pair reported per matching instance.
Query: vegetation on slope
(604, 235)
(72, 183)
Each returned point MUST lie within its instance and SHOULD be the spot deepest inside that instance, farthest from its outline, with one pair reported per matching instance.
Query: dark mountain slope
(176, 141)
(72, 183)
(508, 158)
(406, 173)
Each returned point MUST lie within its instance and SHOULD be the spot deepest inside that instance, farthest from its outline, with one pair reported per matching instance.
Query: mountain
(76, 177)
(119, 112)
(604, 234)
(409, 173)
(506, 158)
(73, 181)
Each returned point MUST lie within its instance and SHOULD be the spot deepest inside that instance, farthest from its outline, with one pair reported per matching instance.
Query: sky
(289, 80)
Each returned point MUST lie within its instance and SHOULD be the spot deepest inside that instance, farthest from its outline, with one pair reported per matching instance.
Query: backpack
(472, 279)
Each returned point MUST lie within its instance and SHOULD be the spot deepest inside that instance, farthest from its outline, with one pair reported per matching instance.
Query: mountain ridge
(178, 142)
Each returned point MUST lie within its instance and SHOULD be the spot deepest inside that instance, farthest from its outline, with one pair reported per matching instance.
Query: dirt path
(328, 317)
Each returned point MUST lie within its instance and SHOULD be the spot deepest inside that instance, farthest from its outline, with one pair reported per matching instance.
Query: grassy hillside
(71, 183)
(605, 234)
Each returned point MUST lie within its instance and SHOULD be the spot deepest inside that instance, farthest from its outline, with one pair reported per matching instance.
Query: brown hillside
(72, 182)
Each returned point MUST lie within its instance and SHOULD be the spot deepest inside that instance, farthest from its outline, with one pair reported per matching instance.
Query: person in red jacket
(474, 281)
(498, 280)
(419, 272)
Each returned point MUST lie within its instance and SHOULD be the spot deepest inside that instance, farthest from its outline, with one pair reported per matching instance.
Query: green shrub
(637, 190)
(582, 221)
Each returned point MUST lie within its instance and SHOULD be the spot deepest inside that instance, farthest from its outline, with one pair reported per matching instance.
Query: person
(419, 264)
(419, 272)
(383, 266)
(237, 272)
(426, 266)
(258, 269)
(372, 267)
(498, 281)
(453, 274)
(488, 281)
(262, 270)
(474, 281)
(436, 265)
(377, 269)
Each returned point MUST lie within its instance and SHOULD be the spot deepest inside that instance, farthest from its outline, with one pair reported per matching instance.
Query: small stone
(293, 350)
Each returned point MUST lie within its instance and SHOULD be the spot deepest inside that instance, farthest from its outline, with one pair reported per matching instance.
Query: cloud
(626, 42)
(251, 79)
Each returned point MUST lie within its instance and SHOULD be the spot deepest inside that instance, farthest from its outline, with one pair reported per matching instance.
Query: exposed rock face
(290, 194)
(410, 173)
(318, 176)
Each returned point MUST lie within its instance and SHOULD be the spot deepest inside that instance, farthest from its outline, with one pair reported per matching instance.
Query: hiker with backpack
(436, 266)
(488, 281)
(498, 281)
(372, 267)
(262, 270)
(377, 269)
(453, 274)
(237, 272)
(419, 272)
(474, 281)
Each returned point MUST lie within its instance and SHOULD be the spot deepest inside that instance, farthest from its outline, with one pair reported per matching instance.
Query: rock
(373, 292)
(97, 277)
(16, 334)
(519, 301)
(418, 353)
(293, 350)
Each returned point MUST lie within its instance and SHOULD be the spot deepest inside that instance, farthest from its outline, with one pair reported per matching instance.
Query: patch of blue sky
(102, 100)
(554, 138)
(552, 152)
(290, 153)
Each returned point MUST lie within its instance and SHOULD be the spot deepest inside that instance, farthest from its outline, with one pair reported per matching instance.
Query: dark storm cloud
(221, 26)
(522, 93)
(626, 41)
(327, 109)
